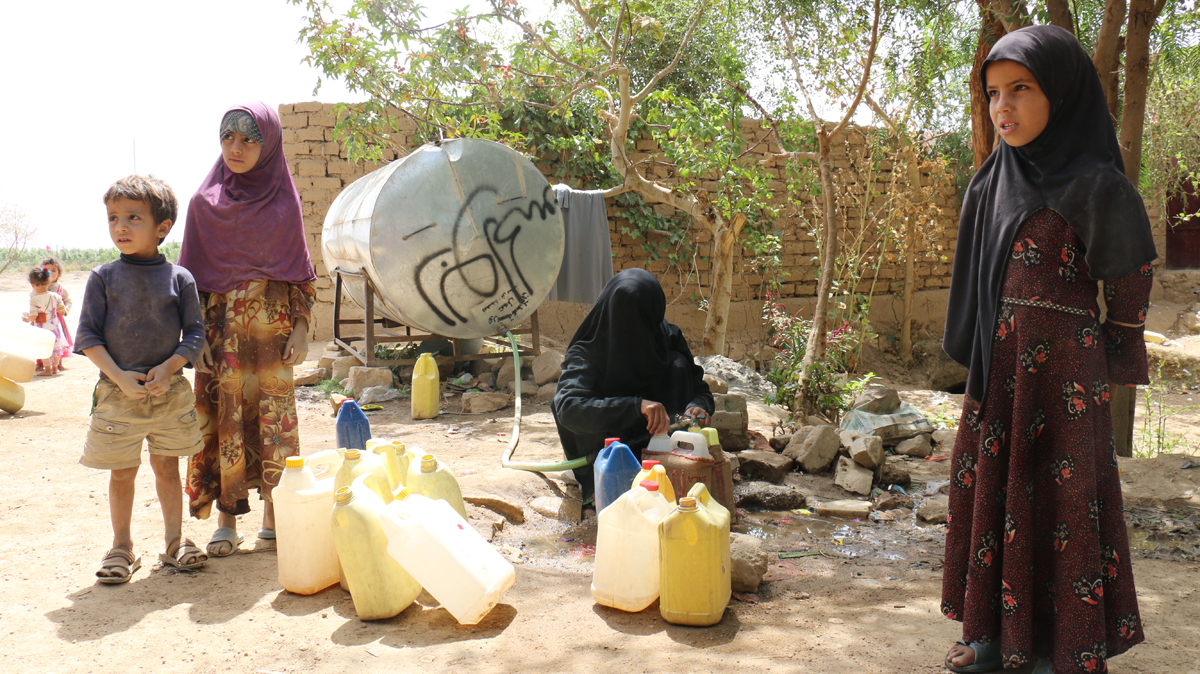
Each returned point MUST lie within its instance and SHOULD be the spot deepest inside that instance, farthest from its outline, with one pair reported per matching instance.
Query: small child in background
(56, 270)
(44, 312)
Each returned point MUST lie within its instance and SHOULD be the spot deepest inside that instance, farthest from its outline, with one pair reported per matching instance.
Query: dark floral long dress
(247, 405)
(1037, 554)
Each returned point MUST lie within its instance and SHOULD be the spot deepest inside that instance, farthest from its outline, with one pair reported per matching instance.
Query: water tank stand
(383, 330)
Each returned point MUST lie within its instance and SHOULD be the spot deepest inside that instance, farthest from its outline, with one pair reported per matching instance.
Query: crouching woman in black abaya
(627, 373)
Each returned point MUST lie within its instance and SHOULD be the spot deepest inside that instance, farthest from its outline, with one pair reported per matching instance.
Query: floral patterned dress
(1037, 554)
(48, 306)
(247, 405)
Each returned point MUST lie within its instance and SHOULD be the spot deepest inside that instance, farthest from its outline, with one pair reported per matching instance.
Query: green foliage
(329, 387)
(84, 259)
(1153, 438)
(1171, 148)
(830, 389)
(385, 352)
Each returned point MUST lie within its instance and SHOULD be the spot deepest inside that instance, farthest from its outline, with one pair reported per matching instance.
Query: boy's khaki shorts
(119, 424)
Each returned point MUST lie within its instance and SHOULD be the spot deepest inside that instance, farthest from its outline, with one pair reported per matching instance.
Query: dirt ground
(863, 597)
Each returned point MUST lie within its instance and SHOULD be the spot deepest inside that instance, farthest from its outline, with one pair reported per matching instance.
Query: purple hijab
(247, 226)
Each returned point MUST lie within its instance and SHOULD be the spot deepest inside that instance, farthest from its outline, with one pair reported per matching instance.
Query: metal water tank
(460, 239)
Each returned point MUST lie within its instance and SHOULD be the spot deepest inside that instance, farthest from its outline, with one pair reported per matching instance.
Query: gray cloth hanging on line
(587, 256)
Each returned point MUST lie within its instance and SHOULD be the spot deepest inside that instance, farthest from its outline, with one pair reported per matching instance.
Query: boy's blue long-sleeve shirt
(138, 309)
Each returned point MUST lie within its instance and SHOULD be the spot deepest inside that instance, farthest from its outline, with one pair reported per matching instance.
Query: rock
(505, 375)
(867, 451)
(878, 401)
(505, 492)
(767, 466)
(327, 359)
(336, 400)
(945, 373)
(738, 377)
(815, 450)
(405, 375)
(891, 501)
(486, 522)
(892, 473)
(362, 378)
(733, 402)
(513, 512)
(768, 496)
(1191, 321)
(556, 507)
(545, 394)
(529, 389)
(482, 403)
(849, 508)
(341, 367)
(944, 439)
(747, 562)
(345, 384)
(853, 477)
(311, 377)
(779, 442)
(848, 437)
(918, 447)
(935, 509)
(1162, 317)
(547, 367)
(715, 384)
(445, 366)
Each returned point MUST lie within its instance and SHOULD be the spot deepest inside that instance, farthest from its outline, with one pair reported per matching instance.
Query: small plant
(1153, 438)
(830, 389)
(329, 387)
(385, 352)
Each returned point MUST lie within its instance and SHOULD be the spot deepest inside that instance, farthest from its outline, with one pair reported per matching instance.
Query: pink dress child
(43, 313)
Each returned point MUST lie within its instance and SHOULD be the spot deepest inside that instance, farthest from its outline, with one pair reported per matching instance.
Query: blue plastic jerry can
(615, 468)
(353, 429)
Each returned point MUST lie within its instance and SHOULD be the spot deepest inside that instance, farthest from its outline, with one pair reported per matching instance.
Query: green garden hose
(506, 458)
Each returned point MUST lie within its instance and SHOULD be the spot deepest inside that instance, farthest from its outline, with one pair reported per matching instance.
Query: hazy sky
(84, 80)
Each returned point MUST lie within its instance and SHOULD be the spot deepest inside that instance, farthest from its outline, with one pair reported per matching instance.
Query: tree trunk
(1012, 13)
(983, 132)
(1113, 91)
(911, 157)
(816, 337)
(725, 237)
(1107, 57)
(1060, 14)
(1142, 15)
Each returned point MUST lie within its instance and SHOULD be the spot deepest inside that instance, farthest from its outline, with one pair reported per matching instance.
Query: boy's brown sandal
(182, 550)
(118, 566)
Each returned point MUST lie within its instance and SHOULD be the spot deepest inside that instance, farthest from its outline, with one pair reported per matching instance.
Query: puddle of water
(801, 533)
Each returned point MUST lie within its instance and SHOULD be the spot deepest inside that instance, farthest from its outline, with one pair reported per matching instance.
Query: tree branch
(862, 85)
(590, 23)
(678, 55)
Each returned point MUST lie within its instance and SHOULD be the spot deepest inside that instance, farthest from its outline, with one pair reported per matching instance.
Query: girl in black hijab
(1037, 556)
(627, 373)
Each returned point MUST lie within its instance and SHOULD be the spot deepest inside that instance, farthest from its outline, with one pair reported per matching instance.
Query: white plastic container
(379, 586)
(446, 555)
(17, 368)
(308, 560)
(24, 340)
(627, 572)
(433, 479)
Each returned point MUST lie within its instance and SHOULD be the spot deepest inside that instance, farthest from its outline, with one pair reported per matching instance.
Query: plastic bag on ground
(378, 394)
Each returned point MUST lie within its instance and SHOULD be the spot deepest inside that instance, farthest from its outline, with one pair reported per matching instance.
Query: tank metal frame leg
(384, 331)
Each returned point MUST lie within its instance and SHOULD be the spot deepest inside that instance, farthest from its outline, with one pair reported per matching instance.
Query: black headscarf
(1073, 167)
(625, 335)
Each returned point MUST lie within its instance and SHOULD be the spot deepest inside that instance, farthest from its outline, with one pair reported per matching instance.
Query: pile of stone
(858, 462)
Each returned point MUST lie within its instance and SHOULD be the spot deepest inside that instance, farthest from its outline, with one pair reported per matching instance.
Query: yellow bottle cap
(402, 494)
(687, 503)
(294, 462)
(353, 455)
(428, 463)
(344, 495)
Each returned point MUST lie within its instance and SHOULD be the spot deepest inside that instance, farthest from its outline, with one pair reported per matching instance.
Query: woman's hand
(699, 414)
(204, 362)
(658, 421)
(296, 349)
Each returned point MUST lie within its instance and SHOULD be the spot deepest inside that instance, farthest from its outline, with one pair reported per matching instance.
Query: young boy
(134, 311)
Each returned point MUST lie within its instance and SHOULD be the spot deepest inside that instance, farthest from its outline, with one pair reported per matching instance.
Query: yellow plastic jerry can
(379, 586)
(654, 471)
(694, 564)
(425, 388)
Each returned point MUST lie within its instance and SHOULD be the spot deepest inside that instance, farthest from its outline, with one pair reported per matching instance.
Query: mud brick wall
(321, 169)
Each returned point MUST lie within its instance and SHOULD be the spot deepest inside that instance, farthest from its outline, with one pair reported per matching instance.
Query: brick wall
(321, 169)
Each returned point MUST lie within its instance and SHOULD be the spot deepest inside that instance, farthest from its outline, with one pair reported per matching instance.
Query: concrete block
(847, 508)
(362, 378)
(767, 466)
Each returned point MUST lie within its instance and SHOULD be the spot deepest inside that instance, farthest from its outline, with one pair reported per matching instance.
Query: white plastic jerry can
(308, 560)
(627, 573)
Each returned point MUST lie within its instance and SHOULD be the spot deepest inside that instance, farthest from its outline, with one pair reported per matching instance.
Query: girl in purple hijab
(244, 243)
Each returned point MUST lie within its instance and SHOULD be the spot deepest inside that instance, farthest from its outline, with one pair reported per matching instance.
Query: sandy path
(860, 616)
